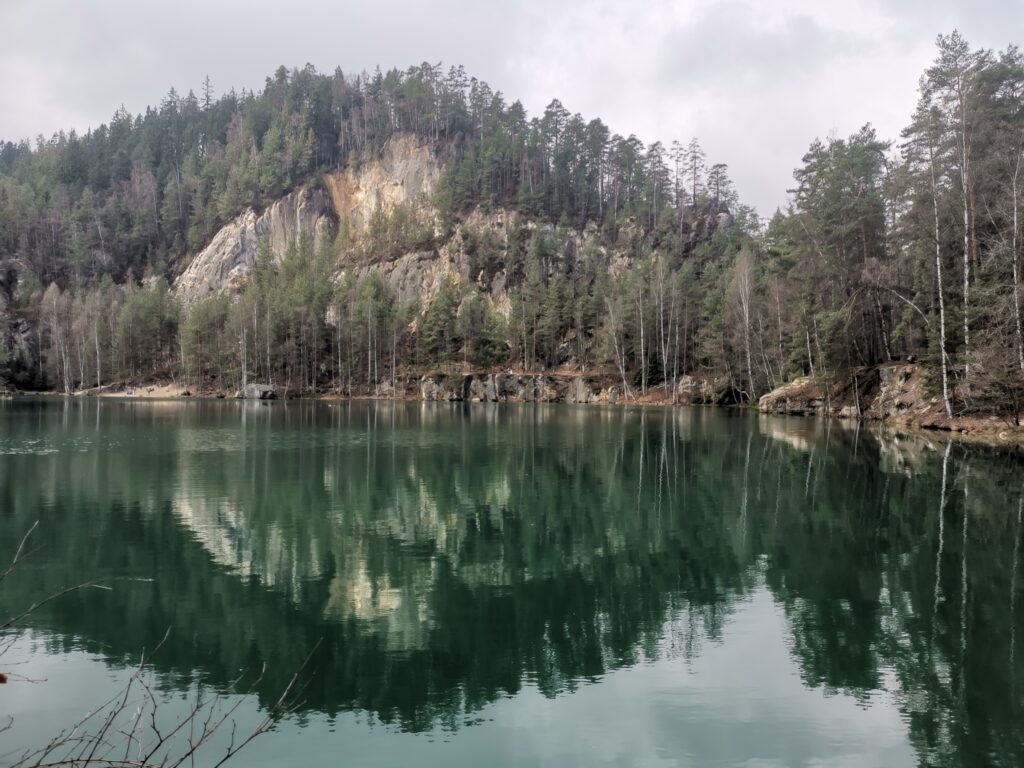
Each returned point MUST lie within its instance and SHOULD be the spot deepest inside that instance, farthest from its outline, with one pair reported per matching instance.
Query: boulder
(440, 387)
(695, 390)
(258, 392)
(578, 392)
(881, 392)
(798, 397)
(476, 389)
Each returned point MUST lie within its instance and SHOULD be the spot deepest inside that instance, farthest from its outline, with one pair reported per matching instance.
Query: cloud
(755, 81)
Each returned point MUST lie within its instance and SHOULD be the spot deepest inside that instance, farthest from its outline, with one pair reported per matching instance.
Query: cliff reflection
(449, 555)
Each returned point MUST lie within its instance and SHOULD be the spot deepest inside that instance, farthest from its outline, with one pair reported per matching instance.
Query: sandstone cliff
(343, 203)
(404, 175)
(895, 393)
(229, 258)
(561, 387)
(876, 393)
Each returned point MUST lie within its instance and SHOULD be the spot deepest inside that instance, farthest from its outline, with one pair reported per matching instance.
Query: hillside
(328, 255)
(384, 234)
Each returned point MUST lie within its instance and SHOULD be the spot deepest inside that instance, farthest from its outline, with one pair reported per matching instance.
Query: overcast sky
(754, 80)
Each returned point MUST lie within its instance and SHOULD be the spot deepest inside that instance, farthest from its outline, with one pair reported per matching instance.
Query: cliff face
(893, 393)
(19, 350)
(518, 388)
(229, 258)
(419, 275)
(562, 387)
(404, 177)
(881, 393)
(406, 174)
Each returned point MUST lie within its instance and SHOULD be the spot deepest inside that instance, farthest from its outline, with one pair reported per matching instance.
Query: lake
(509, 585)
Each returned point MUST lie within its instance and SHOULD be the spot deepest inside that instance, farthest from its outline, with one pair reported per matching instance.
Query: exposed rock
(579, 392)
(416, 276)
(257, 392)
(900, 388)
(405, 174)
(695, 390)
(226, 262)
(883, 392)
(799, 397)
(898, 394)
(433, 388)
(478, 388)
(513, 388)
(19, 351)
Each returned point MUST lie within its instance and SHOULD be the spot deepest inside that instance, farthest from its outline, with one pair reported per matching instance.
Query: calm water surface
(520, 585)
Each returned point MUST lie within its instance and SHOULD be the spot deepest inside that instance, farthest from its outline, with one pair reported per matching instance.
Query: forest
(896, 249)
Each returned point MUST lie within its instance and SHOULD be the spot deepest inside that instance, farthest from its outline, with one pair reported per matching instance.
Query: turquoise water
(518, 585)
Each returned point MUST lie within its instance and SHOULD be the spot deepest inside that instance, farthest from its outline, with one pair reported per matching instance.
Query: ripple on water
(48, 447)
(27, 448)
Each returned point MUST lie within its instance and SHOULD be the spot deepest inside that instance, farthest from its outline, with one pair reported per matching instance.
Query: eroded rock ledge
(514, 387)
(517, 388)
(895, 393)
(877, 393)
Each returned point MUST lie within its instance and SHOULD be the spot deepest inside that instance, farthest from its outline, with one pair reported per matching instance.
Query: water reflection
(448, 556)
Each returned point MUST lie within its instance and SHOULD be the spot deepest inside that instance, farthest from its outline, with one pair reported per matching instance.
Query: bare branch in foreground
(131, 729)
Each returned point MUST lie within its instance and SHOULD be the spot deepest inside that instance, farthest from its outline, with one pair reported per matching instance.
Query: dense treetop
(144, 190)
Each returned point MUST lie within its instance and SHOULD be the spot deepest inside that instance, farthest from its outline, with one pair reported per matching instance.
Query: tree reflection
(449, 556)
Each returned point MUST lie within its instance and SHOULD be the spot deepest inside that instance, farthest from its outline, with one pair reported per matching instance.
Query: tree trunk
(965, 189)
(96, 341)
(938, 277)
(1016, 263)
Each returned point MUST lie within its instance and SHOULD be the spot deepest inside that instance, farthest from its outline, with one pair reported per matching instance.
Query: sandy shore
(155, 391)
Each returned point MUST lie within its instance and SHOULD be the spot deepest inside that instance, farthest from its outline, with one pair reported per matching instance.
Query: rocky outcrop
(564, 388)
(226, 262)
(697, 390)
(20, 367)
(897, 394)
(517, 388)
(416, 276)
(799, 397)
(405, 174)
(890, 392)
(257, 392)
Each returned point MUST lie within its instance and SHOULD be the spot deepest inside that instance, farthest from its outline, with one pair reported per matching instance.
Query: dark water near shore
(520, 585)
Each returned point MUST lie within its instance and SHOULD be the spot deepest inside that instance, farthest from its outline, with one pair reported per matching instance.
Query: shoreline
(988, 431)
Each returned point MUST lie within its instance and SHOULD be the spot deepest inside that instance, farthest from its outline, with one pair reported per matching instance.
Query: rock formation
(257, 392)
(226, 262)
(894, 392)
(518, 388)
(406, 174)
